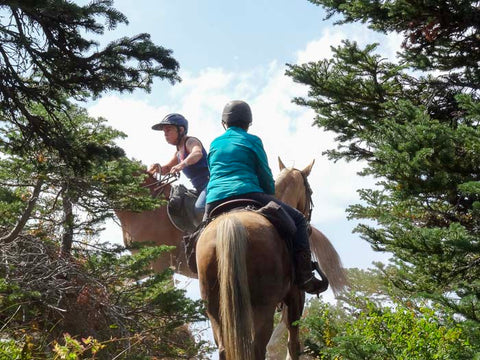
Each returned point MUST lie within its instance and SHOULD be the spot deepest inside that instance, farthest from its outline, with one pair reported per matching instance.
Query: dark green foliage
(62, 293)
(46, 58)
(418, 134)
(73, 197)
(373, 321)
(438, 35)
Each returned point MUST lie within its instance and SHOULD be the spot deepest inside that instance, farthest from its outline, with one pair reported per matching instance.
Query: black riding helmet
(175, 120)
(237, 113)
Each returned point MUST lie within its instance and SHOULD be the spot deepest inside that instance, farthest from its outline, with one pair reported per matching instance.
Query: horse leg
(214, 324)
(263, 323)
(213, 315)
(294, 307)
(210, 291)
(276, 336)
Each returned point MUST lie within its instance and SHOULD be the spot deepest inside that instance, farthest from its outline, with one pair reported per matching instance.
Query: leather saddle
(272, 212)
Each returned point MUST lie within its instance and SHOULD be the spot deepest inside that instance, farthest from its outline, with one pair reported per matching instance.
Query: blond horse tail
(329, 260)
(235, 307)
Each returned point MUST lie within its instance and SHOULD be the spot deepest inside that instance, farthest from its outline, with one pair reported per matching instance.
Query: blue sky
(226, 34)
(238, 50)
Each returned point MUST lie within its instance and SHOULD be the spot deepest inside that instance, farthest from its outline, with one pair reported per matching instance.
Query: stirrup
(306, 281)
(313, 286)
(316, 267)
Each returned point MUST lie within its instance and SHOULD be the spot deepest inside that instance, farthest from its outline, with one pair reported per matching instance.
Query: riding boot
(305, 278)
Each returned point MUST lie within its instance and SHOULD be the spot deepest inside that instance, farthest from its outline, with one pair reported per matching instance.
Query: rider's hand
(177, 168)
(154, 169)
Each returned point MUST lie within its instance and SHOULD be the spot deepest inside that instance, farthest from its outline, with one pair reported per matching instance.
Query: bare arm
(194, 147)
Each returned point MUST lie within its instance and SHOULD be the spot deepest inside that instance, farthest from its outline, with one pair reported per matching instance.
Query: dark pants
(300, 242)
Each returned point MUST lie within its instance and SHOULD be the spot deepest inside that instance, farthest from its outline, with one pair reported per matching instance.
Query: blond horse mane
(235, 308)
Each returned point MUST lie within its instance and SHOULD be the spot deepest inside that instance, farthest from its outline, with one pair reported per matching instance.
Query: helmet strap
(180, 136)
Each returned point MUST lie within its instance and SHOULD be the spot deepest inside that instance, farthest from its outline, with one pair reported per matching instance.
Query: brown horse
(155, 227)
(245, 271)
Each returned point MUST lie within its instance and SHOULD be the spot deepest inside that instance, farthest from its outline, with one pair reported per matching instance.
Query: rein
(308, 197)
(161, 183)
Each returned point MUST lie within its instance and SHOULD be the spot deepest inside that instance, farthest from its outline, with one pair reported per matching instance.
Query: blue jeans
(300, 242)
(200, 203)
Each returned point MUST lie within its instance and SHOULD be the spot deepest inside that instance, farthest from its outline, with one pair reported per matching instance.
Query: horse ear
(280, 164)
(307, 170)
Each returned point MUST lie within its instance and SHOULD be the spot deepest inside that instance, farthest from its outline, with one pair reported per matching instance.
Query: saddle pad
(232, 205)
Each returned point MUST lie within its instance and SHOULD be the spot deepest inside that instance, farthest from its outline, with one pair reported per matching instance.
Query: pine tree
(51, 150)
(62, 293)
(415, 123)
(41, 191)
(46, 58)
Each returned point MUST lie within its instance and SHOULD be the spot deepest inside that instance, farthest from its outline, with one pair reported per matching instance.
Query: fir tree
(62, 293)
(416, 125)
(47, 58)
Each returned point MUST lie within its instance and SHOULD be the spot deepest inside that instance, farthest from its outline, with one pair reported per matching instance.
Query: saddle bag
(280, 219)
(181, 208)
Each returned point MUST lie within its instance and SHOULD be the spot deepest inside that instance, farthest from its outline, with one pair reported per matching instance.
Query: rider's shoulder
(192, 141)
(253, 138)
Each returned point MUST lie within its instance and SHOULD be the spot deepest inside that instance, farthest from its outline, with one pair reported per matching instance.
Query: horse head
(292, 188)
(161, 186)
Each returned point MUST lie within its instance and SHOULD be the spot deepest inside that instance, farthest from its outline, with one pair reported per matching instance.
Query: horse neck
(157, 189)
(290, 188)
(164, 190)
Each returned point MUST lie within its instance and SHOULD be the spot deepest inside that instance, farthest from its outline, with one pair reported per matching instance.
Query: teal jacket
(238, 165)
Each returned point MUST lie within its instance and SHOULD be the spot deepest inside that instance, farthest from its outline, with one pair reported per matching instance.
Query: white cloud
(320, 49)
(134, 118)
(285, 128)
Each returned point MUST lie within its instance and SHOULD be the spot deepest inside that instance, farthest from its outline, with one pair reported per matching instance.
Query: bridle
(308, 209)
(160, 184)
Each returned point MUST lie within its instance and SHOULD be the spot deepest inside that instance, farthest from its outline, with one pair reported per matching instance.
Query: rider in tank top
(190, 157)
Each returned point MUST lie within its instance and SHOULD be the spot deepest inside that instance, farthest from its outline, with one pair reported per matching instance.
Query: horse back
(269, 265)
(154, 228)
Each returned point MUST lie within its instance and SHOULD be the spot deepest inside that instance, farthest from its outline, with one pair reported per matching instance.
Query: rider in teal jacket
(239, 169)
(232, 157)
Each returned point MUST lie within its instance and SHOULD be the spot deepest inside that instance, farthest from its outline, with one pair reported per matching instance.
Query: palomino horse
(155, 227)
(245, 271)
(292, 187)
